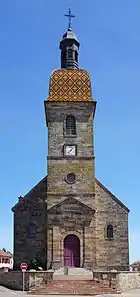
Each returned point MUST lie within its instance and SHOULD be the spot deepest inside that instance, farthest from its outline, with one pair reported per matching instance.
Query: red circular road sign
(23, 266)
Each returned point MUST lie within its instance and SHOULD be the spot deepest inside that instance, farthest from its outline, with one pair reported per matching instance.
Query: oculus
(71, 178)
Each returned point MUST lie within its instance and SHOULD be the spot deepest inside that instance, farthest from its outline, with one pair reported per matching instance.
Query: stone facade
(106, 254)
(57, 210)
(30, 226)
(111, 253)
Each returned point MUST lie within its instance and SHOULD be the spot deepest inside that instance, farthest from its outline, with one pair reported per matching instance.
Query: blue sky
(109, 34)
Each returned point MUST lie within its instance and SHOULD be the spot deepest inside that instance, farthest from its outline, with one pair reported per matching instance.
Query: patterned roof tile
(70, 85)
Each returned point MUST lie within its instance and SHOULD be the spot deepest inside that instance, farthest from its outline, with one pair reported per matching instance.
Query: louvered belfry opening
(70, 125)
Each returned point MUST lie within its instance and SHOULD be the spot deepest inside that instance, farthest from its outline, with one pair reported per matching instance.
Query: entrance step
(79, 271)
(73, 274)
(73, 288)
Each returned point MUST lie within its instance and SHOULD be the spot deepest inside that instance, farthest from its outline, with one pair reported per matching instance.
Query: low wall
(121, 280)
(128, 280)
(11, 279)
(14, 279)
(107, 278)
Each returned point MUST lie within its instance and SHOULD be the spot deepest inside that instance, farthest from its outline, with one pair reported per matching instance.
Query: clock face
(70, 150)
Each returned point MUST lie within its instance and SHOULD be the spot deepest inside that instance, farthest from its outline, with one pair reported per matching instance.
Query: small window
(70, 54)
(70, 125)
(71, 178)
(110, 232)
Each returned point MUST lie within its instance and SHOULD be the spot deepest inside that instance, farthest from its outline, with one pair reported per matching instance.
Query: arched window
(70, 125)
(110, 231)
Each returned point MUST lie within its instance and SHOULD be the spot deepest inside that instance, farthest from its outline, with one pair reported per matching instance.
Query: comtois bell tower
(70, 109)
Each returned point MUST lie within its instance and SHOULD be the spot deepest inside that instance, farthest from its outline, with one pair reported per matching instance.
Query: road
(8, 293)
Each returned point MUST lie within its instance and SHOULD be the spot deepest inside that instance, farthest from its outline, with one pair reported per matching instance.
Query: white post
(23, 280)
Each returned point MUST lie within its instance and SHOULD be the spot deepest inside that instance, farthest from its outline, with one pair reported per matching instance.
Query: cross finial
(70, 16)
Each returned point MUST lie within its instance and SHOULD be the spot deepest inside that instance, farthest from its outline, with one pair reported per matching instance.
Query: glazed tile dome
(70, 85)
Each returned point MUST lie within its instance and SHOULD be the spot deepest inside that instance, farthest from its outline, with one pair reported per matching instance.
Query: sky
(109, 35)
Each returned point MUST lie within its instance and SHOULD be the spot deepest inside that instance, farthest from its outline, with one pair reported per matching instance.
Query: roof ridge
(112, 195)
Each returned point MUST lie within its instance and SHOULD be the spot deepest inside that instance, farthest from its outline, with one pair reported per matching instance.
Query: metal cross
(70, 16)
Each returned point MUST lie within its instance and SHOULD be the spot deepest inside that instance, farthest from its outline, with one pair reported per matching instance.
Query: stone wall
(59, 165)
(128, 280)
(56, 114)
(122, 281)
(30, 227)
(75, 213)
(111, 254)
(106, 278)
(14, 279)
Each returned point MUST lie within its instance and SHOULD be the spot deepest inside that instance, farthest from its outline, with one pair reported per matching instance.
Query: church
(70, 219)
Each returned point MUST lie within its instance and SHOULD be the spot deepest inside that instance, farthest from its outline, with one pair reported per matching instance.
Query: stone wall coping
(116, 272)
(134, 272)
(27, 271)
(40, 271)
(105, 271)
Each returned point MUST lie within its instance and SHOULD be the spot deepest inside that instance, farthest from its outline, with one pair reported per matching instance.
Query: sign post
(23, 267)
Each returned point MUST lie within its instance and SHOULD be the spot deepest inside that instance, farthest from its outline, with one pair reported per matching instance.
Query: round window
(71, 178)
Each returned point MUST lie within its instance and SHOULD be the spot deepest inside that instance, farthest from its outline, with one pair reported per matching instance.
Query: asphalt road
(8, 293)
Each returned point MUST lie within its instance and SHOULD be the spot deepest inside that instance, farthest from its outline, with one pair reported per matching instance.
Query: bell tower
(69, 47)
(69, 111)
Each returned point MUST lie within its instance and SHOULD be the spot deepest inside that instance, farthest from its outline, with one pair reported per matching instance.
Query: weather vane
(69, 16)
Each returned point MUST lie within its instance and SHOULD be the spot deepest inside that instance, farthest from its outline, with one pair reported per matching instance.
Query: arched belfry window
(70, 125)
(109, 231)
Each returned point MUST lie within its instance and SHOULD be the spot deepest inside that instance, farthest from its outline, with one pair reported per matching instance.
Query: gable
(40, 190)
(71, 204)
(69, 212)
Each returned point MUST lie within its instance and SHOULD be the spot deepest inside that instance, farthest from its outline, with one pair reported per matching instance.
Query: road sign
(23, 266)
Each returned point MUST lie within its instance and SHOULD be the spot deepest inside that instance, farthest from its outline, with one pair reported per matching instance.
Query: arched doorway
(71, 251)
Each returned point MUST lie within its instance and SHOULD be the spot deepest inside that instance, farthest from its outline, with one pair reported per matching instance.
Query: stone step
(72, 277)
(74, 271)
(72, 288)
(79, 271)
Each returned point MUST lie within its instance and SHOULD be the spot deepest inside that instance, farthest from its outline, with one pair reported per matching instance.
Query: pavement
(9, 293)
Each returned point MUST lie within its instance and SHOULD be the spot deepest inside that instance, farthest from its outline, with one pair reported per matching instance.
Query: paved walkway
(8, 293)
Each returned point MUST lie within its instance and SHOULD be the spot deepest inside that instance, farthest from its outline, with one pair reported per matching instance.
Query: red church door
(71, 251)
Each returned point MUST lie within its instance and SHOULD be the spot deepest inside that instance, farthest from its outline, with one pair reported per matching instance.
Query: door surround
(79, 234)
